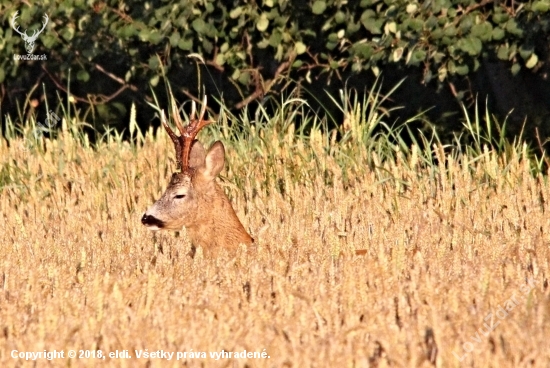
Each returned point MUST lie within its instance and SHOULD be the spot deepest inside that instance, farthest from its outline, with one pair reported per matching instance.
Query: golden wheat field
(397, 266)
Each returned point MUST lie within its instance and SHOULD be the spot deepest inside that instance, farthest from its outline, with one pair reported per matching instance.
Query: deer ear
(197, 154)
(214, 162)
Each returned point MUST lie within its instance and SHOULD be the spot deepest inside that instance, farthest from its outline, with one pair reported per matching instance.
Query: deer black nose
(149, 220)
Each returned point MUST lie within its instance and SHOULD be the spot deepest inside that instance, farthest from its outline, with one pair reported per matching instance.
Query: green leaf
(411, 8)
(417, 57)
(353, 27)
(185, 44)
(466, 23)
(437, 5)
(442, 74)
(174, 39)
(512, 27)
(199, 25)
(236, 12)
(207, 45)
(155, 37)
(390, 27)
(67, 33)
(498, 34)
(482, 31)
(371, 25)
(331, 45)
(499, 17)
(438, 57)
(262, 23)
(153, 62)
(416, 25)
(431, 22)
(503, 52)
(300, 48)
(220, 59)
(279, 53)
(436, 34)
(144, 35)
(363, 50)
(369, 13)
(127, 31)
(540, 6)
(211, 30)
(154, 81)
(119, 107)
(428, 76)
(340, 17)
(525, 51)
(515, 68)
(83, 76)
(263, 44)
(275, 38)
(333, 37)
(319, 7)
(462, 69)
(451, 67)
(450, 31)
(533, 60)
(477, 64)
(471, 45)
(48, 41)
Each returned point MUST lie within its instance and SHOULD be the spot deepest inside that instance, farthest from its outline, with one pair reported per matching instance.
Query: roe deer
(193, 199)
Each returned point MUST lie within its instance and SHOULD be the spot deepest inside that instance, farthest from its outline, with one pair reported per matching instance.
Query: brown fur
(220, 227)
(204, 210)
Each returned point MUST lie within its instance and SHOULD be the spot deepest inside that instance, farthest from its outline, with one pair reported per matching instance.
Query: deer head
(29, 40)
(193, 199)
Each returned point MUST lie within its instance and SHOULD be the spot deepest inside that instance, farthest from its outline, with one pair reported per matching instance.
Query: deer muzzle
(152, 222)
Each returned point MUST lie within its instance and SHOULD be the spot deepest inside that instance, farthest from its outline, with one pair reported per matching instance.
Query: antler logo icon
(29, 40)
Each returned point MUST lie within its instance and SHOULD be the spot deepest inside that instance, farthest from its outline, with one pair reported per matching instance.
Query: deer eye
(179, 196)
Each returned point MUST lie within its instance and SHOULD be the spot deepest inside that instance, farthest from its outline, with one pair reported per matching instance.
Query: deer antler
(13, 24)
(183, 142)
(24, 34)
(36, 33)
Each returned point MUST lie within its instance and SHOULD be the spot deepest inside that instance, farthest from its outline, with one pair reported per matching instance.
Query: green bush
(106, 53)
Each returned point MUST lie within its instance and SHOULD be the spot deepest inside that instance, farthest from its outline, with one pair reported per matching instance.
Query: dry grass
(438, 251)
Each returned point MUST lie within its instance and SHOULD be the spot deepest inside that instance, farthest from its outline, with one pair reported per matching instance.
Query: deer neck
(217, 225)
